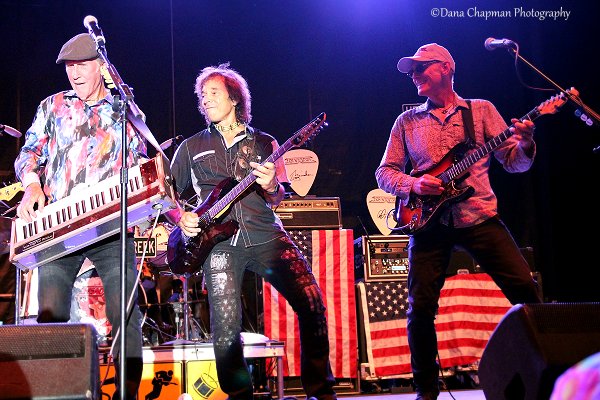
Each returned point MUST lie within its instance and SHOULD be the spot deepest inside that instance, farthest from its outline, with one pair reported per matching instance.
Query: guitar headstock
(310, 130)
(8, 192)
(552, 105)
(108, 80)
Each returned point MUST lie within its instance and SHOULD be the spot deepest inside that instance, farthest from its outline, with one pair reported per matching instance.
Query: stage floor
(462, 394)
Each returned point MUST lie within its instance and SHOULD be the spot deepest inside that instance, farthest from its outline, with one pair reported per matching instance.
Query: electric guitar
(187, 254)
(420, 210)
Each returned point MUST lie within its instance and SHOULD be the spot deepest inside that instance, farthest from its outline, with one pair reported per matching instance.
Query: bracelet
(274, 192)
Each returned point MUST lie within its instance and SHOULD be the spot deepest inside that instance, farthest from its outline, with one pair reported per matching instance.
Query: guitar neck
(483, 150)
(248, 180)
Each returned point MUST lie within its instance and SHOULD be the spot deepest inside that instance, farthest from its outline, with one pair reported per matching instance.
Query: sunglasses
(420, 68)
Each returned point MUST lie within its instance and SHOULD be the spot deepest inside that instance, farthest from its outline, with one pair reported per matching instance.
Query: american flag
(331, 255)
(471, 306)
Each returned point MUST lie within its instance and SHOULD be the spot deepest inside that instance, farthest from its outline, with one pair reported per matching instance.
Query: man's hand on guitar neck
(523, 132)
(427, 185)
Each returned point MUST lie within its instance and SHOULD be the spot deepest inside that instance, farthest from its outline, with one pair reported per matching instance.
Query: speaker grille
(42, 341)
(565, 317)
(533, 345)
(49, 362)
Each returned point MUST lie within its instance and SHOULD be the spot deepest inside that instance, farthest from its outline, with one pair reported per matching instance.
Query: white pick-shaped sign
(301, 166)
(380, 203)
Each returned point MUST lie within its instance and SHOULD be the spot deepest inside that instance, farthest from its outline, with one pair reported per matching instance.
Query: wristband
(274, 192)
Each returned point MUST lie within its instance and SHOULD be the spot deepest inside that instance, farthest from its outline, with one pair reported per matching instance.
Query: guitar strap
(467, 116)
(245, 154)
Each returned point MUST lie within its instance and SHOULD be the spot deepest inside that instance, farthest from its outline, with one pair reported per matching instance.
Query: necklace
(228, 128)
(445, 110)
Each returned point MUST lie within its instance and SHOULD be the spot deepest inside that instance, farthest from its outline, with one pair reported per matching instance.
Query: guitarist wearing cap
(444, 209)
(242, 234)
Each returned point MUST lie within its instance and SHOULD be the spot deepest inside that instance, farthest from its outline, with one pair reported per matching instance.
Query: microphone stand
(129, 112)
(121, 104)
(575, 99)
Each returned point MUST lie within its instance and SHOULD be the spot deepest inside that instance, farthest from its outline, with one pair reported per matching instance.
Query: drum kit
(174, 312)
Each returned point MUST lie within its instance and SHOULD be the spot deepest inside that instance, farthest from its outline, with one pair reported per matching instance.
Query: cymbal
(9, 131)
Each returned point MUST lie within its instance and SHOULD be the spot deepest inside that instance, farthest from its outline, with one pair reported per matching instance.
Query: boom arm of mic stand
(573, 98)
(133, 112)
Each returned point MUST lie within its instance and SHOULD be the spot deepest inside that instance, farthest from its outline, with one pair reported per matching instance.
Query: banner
(471, 305)
(331, 255)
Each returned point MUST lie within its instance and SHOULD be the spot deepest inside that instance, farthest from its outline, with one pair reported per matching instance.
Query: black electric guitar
(416, 215)
(187, 254)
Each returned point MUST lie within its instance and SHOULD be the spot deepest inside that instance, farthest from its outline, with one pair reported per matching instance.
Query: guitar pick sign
(301, 166)
(380, 204)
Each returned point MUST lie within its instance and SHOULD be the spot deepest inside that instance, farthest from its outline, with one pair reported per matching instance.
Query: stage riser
(171, 371)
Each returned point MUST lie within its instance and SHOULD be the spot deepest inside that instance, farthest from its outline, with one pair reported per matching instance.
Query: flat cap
(78, 48)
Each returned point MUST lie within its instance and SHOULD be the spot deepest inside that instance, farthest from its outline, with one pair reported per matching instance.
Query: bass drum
(158, 240)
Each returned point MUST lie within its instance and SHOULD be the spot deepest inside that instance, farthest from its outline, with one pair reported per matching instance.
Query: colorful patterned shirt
(418, 137)
(71, 143)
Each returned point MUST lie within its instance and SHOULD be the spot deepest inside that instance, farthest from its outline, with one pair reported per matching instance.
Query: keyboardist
(75, 141)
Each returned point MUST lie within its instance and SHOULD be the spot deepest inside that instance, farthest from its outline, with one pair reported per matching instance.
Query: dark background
(303, 57)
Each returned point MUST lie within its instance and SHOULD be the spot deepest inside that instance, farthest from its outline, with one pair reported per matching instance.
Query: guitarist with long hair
(459, 213)
(247, 236)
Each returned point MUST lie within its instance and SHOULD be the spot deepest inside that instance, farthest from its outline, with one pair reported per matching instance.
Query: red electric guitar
(416, 215)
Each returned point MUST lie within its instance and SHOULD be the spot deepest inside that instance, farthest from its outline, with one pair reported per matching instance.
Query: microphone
(10, 131)
(168, 143)
(493, 44)
(91, 23)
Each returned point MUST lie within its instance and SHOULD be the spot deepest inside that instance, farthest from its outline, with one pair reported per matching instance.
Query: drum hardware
(156, 334)
(182, 308)
(155, 326)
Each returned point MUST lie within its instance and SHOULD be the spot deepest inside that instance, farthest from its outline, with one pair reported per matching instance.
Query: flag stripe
(331, 255)
(470, 308)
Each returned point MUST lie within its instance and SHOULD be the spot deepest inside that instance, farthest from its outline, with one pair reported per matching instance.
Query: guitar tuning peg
(582, 116)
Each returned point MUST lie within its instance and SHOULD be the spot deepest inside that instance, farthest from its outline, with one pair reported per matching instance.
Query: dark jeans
(281, 264)
(56, 281)
(493, 248)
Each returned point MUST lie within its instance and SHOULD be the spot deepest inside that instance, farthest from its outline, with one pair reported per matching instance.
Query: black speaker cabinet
(49, 361)
(533, 344)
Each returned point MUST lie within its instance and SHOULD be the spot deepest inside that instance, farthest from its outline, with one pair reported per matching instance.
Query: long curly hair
(236, 85)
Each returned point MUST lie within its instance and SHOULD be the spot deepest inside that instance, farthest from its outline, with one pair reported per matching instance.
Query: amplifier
(381, 258)
(311, 212)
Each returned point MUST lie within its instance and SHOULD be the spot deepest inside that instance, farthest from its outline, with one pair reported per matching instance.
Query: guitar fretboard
(458, 168)
(297, 139)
